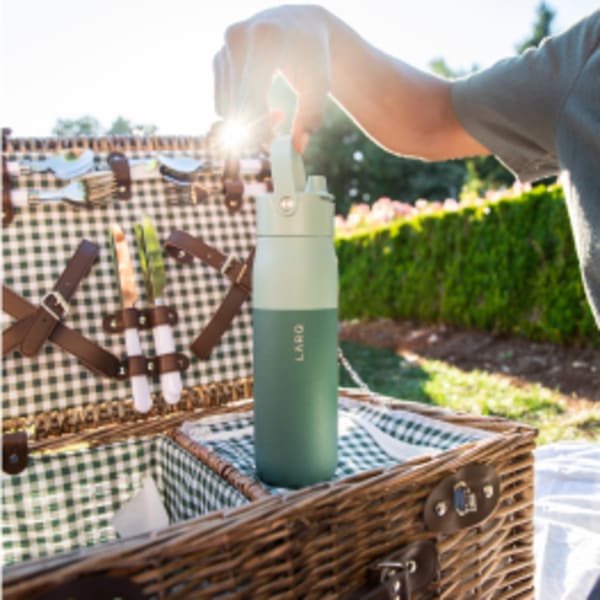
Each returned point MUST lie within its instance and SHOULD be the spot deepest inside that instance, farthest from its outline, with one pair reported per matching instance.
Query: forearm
(407, 111)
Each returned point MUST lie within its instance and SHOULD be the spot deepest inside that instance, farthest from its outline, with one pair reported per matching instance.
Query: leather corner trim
(15, 452)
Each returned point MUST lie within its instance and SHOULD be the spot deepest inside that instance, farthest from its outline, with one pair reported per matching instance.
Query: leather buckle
(228, 264)
(59, 301)
(239, 279)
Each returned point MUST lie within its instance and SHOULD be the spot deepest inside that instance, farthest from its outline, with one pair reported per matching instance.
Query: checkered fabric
(360, 445)
(37, 246)
(65, 501)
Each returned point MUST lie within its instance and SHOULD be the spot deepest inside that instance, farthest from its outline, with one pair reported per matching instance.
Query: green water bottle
(294, 295)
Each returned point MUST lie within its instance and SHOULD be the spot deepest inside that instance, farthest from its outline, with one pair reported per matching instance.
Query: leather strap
(96, 586)
(233, 188)
(394, 588)
(184, 247)
(12, 336)
(154, 367)
(139, 318)
(93, 356)
(54, 305)
(398, 576)
(119, 165)
(7, 207)
(211, 334)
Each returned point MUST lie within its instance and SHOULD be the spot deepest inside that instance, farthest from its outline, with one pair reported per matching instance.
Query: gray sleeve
(513, 108)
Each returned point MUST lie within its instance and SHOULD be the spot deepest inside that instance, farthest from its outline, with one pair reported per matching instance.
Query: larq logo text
(299, 342)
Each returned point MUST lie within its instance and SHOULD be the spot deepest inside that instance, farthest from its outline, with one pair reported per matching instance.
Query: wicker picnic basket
(425, 503)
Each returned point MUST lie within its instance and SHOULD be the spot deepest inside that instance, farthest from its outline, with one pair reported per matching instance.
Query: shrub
(508, 266)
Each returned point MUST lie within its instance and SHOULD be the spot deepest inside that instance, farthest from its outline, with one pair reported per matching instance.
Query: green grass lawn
(477, 392)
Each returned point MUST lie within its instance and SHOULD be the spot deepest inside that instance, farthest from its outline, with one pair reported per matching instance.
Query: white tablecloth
(567, 521)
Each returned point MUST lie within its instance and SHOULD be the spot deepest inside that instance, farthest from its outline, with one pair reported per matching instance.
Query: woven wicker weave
(313, 543)
(316, 542)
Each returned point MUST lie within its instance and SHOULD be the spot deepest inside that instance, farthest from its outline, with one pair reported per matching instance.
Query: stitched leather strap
(233, 187)
(54, 305)
(7, 208)
(119, 165)
(156, 366)
(140, 318)
(12, 336)
(94, 357)
(184, 247)
(209, 337)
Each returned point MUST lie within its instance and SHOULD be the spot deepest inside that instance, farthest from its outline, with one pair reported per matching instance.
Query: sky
(150, 61)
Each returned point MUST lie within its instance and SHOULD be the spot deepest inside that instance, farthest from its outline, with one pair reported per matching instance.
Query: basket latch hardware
(465, 501)
(462, 499)
(15, 452)
(401, 574)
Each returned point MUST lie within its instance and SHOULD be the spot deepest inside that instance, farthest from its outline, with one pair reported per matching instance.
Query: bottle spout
(317, 184)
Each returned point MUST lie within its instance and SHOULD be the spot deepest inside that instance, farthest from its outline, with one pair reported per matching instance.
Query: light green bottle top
(297, 206)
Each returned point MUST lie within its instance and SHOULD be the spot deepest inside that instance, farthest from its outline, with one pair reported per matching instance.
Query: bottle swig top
(298, 206)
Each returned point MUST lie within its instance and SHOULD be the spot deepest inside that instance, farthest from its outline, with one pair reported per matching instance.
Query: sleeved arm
(513, 108)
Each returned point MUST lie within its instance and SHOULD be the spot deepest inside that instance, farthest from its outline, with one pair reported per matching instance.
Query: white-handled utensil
(140, 386)
(153, 266)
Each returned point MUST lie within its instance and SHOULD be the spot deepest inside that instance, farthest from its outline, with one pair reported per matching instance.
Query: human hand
(291, 40)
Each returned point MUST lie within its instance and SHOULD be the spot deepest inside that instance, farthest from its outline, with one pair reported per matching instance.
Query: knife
(140, 386)
(153, 267)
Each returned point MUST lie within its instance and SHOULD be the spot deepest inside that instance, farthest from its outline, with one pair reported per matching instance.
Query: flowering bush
(385, 210)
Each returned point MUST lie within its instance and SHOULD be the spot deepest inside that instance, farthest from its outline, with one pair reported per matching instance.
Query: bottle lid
(298, 206)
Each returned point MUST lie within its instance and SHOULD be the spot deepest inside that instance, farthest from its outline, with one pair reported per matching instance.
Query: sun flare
(234, 134)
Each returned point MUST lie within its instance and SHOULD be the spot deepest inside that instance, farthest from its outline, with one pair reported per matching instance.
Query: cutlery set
(153, 269)
(90, 187)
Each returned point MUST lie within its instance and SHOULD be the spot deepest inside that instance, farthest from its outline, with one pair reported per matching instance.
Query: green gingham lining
(41, 239)
(66, 501)
(359, 450)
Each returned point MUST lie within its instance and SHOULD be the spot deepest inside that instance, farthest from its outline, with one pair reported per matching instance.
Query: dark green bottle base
(295, 396)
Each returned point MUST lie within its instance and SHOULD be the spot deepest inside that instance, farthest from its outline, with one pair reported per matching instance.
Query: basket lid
(41, 239)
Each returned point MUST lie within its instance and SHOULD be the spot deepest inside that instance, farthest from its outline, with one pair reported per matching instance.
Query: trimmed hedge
(507, 266)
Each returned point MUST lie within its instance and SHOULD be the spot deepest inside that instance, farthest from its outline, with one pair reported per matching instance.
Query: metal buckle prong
(60, 300)
(228, 264)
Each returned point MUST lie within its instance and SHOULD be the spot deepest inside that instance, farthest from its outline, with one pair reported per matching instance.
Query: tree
(358, 170)
(123, 126)
(542, 27)
(90, 126)
(84, 126)
(120, 126)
